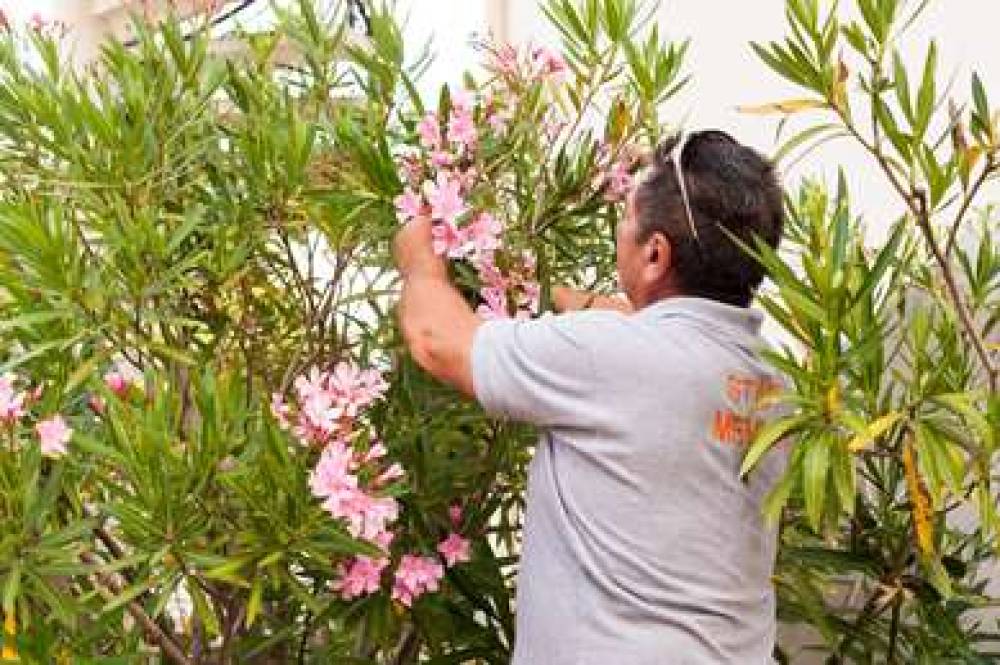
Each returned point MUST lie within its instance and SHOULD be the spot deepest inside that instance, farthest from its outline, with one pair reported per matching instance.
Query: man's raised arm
(437, 324)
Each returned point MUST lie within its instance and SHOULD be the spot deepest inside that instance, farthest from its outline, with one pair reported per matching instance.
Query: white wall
(727, 73)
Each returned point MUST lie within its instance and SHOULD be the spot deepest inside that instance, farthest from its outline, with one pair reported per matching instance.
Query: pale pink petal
(409, 205)
(54, 435)
(429, 130)
(455, 549)
(445, 198)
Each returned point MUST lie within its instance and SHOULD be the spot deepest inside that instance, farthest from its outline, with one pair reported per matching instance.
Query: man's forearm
(438, 326)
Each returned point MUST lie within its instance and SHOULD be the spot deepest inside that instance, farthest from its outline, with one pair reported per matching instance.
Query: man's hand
(565, 299)
(438, 325)
(414, 250)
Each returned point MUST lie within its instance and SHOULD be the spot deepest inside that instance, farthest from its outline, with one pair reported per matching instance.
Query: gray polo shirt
(642, 546)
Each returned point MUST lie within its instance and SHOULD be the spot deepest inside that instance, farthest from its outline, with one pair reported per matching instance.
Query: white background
(726, 73)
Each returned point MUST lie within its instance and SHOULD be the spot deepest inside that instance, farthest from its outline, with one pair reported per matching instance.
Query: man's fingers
(413, 247)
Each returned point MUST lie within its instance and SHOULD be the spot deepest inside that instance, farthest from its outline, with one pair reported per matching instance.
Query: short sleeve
(539, 371)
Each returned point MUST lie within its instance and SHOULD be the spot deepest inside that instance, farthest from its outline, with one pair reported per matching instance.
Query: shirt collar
(712, 311)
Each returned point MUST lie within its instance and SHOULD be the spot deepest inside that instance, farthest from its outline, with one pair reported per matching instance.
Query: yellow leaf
(833, 403)
(920, 502)
(10, 633)
(972, 155)
(875, 429)
(786, 107)
(838, 95)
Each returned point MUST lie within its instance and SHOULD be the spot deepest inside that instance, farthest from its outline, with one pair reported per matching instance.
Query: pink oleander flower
(504, 59)
(455, 515)
(376, 451)
(413, 169)
(619, 182)
(54, 435)
(447, 239)
(374, 384)
(310, 385)
(462, 100)
(332, 478)
(415, 576)
(467, 177)
(454, 549)
(553, 127)
(354, 389)
(491, 275)
(494, 305)
(97, 404)
(37, 22)
(122, 377)
(409, 205)
(383, 540)
(11, 401)
(498, 121)
(394, 472)
(117, 382)
(442, 159)
(367, 516)
(531, 295)
(319, 418)
(362, 577)
(445, 197)
(462, 129)
(429, 130)
(484, 233)
(546, 62)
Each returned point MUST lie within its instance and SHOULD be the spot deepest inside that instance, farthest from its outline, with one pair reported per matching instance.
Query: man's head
(668, 247)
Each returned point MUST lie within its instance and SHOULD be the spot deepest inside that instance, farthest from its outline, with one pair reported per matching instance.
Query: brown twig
(154, 634)
(923, 221)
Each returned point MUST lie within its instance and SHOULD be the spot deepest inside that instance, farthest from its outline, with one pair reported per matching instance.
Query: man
(642, 546)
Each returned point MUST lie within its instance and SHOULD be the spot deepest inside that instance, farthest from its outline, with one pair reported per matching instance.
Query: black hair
(733, 191)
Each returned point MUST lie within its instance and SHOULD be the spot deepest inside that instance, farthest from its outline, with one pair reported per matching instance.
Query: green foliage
(892, 421)
(219, 221)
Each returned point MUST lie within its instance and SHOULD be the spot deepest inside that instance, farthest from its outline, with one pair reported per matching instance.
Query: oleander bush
(215, 449)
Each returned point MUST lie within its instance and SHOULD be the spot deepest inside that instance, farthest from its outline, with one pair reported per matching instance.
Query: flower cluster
(446, 180)
(52, 431)
(37, 23)
(352, 478)
(329, 402)
(447, 176)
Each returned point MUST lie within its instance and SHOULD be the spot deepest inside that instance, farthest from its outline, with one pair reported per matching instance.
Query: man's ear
(658, 255)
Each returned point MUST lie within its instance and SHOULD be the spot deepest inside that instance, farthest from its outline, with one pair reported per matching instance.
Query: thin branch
(916, 201)
(923, 221)
(154, 634)
(966, 204)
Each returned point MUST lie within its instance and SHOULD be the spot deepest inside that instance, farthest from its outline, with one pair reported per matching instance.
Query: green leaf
(765, 437)
(901, 84)
(202, 609)
(815, 468)
(256, 599)
(982, 105)
(927, 95)
(844, 478)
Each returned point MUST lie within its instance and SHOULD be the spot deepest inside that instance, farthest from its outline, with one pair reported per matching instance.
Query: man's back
(642, 545)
